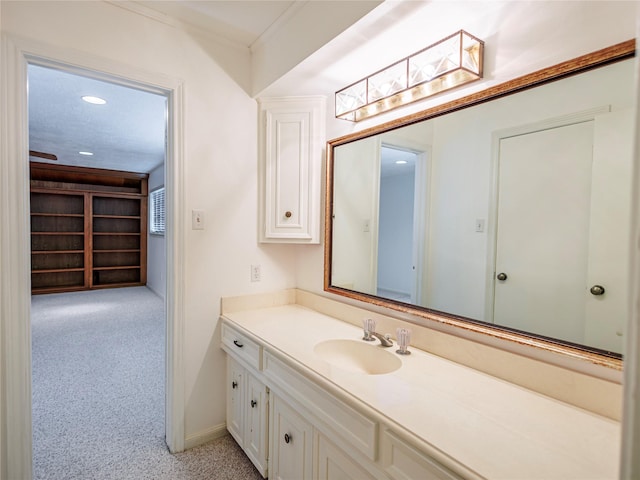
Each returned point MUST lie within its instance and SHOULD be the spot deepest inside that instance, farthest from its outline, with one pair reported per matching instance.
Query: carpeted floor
(98, 393)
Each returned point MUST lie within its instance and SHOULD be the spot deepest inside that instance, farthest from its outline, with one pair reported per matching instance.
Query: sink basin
(357, 356)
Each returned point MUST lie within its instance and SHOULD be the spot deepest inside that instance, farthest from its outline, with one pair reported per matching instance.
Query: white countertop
(494, 428)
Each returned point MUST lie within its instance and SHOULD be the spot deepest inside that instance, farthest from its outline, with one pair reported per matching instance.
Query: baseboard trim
(200, 438)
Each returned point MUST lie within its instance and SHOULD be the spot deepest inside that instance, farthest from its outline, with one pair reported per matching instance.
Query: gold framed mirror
(511, 216)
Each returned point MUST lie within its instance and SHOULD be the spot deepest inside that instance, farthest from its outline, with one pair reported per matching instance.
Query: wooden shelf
(120, 267)
(43, 290)
(54, 252)
(40, 214)
(119, 285)
(134, 217)
(120, 250)
(58, 233)
(58, 270)
(113, 234)
(88, 228)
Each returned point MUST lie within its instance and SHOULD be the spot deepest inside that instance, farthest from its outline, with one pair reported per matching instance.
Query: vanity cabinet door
(235, 400)
(333, 463)
(291, 142)
(404, 462)
(256, 422)
(291, 443)
(248, 413)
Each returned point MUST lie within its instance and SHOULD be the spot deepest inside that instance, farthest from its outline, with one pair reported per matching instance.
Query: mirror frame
(621, 51)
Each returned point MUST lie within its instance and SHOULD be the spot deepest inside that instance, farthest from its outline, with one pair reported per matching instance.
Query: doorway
(88, 349)
(14, 249)
(402, 219)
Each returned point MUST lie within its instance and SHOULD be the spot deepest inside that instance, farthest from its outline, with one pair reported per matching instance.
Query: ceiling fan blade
(46, 156)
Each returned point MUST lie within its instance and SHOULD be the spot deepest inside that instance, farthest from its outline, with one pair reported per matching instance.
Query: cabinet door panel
(256, 422)
(235, 403)
(291, 443)
(334, 464)
(404, 462)
(291, 139)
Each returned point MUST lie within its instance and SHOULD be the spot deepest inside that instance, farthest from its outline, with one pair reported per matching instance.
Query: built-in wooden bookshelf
(88, 228)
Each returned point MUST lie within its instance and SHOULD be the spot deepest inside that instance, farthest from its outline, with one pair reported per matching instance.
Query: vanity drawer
(241, 347)
(402, 461)
(333, 416)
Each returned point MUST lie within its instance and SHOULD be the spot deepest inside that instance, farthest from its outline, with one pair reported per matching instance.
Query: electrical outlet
(255, 273)
(197, 219)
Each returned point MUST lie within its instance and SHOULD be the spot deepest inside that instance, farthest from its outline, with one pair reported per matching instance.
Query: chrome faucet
(370, 334)
(385, 340)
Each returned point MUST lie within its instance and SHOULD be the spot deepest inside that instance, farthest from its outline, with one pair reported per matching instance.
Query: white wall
(353, 265)
(220, 174)
(156, 245)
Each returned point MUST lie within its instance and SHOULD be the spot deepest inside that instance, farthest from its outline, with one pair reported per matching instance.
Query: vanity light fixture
(94, 100)
(400, 162)
(449, 63)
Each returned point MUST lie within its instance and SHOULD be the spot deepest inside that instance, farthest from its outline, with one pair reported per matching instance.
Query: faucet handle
(403, 335)
(369, 326)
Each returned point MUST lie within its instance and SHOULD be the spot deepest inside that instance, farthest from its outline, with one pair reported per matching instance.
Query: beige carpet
(98, 393)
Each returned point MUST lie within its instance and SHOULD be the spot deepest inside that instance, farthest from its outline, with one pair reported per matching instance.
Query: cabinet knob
(597, 290)
(238, 344)
(287, 438)
(502, 277)
(253, 403)
(288, 214)
(234, 384)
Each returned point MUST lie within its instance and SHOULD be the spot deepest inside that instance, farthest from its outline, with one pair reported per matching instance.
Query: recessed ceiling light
(94, 100)
(88, 154)
(400, 162)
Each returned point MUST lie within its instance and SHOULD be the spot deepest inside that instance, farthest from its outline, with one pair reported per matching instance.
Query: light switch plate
(197, 219)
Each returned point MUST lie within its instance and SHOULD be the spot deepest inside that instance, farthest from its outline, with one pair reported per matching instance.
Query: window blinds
(157, 211)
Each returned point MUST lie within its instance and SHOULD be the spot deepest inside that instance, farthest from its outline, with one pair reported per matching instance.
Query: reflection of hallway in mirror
(396, 224)
(391, 295)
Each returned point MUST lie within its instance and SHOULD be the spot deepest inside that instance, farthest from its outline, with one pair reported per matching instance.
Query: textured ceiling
(127, 133)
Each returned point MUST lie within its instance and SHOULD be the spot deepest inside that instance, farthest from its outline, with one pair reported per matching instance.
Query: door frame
(421, 212)
(15, 283)
(492, 229)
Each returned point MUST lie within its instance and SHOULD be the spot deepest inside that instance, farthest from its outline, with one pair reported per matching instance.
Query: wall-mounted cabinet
(88, 228)
(291, 141)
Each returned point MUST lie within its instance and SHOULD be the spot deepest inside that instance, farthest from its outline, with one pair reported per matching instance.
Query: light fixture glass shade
(449, 63)
(383, 84)
(350, 99)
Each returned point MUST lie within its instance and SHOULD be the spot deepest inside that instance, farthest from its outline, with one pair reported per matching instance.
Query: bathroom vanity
(308, 398)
